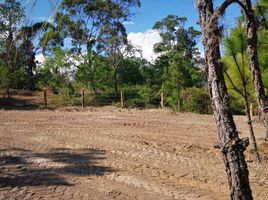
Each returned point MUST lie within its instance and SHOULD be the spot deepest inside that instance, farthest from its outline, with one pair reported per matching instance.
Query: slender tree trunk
(115, 82)
(251, 131)
(232, 147)
(252, 28)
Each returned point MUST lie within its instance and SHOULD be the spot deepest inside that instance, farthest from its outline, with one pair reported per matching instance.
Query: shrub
(196, 100)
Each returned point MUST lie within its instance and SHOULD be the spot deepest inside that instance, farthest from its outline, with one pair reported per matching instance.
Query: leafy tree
(133, 71)
(57, 71)
(113, 36)
(88, 25)
(102, 75)
(179, 53)
(196, 100)
(28, 47)
(78, 22)
(11, 15)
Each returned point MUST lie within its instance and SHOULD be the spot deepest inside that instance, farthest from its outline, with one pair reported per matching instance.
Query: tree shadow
(17, 104)
(20, 168)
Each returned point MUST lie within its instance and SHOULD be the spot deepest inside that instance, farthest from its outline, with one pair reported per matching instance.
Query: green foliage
(19, 45)
(56, 72)
(97, 57)
(4, 77)
(262, 13)
(96, 76)
(178, 63)
(11, 15)
(236, 69)
(141, 96)
(237, 103)
(196, 100)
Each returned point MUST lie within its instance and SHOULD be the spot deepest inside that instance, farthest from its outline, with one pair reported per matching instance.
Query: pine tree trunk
(251, 131)
(232, 147)
(254, 63)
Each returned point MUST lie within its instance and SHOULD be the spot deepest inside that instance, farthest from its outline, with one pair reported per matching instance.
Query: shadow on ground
(17, 104)
(20, 167)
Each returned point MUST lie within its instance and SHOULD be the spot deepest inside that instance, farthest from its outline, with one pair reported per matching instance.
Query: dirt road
(109, 153)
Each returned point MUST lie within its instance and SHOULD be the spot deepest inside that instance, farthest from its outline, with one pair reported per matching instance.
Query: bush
(141, 96)
(196, 100)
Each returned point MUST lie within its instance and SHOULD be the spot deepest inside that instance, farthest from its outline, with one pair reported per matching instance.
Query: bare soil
(111, 153)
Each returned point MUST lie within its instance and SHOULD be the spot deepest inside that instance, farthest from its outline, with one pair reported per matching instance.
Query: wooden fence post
(122, 99)
(45, 98)
(162, 100)
(8, 93)
(83, 98)
(251, 109)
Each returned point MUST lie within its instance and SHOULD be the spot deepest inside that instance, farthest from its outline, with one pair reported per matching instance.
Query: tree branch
(221, 9)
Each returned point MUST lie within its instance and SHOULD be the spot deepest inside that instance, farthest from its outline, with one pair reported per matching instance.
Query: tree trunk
(251, 132)
(115, 82)
(254, 63)
(232, 147)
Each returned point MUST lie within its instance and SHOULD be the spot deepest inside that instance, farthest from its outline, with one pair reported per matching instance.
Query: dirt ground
(111, 153)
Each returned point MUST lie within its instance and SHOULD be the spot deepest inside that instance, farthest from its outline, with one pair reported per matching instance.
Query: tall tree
(113, 36)
(89, 25)
(232, 147)
(57, 72)
(237, 73)
(178, 48)
(11, 15)
(28, 47)
(252, 39)
(78, 22)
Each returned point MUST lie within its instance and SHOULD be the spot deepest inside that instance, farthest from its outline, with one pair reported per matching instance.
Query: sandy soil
(109, 153)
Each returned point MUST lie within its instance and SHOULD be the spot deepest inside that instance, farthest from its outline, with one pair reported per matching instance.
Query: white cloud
(145, 41)
(128, 23)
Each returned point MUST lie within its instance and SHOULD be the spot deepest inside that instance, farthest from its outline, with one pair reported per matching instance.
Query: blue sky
(150, 11)
(145, 16)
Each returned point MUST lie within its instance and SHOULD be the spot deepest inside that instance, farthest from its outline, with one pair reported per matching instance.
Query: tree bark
(252, 29)
(232, 147)
(251, 131)
(115, 83)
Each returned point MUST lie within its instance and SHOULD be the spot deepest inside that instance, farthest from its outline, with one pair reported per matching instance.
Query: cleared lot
(109, 153)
